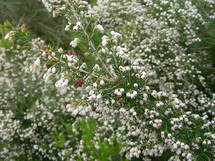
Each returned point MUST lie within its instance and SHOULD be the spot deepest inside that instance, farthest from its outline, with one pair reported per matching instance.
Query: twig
(94, 75)
(92, 45)
(204, 32)
(202, 48)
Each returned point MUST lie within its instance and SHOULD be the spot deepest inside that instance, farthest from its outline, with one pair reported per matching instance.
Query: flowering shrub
(129, 87)
(28, 104)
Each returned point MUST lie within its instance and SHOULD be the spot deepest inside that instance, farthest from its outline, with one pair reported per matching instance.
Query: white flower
(74, 43)
(9, 35)
(58, 84)
(95, 85)
(121, 52)
(67, 28)
(115, 35)
(135, 85)
(37, 62)
(101, 82)
(53, 70)
(105, 40)
(128, 95)
(99, 96)
(77, 26)
(65, 83)
(61, 83)
(100, 28)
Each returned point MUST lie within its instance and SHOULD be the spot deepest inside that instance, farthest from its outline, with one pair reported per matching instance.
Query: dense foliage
(132, 85)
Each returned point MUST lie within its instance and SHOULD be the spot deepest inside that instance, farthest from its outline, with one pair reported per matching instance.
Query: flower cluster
(129, 86)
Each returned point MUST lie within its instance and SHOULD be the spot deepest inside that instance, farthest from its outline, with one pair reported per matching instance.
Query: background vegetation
(36, 18)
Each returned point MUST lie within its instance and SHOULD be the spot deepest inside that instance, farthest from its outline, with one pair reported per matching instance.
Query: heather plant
(35, 123)
(154, 45)
(130, 87)
(26, 101)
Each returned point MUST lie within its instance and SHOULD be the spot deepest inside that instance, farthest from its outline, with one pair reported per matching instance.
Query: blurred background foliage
(37, 19)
